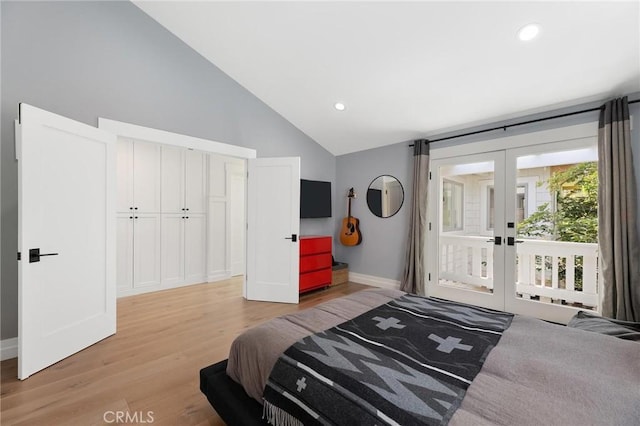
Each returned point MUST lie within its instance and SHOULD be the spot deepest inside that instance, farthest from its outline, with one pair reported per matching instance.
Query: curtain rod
(506, 126)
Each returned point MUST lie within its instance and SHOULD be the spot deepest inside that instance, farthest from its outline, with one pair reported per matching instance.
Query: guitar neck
(349, 215)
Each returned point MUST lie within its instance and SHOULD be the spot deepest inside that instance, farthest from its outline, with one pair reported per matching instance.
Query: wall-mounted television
(315, 199)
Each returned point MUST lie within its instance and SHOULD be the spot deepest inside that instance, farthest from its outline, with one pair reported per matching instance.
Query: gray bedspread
(254, 353)
(538, 374)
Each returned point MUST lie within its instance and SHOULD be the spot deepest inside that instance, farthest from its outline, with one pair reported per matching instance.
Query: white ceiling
(407, 70)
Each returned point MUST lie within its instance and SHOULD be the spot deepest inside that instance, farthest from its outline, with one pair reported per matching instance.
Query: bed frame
(228, 398)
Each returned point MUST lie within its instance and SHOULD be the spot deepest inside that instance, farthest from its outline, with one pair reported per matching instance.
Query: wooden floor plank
(151, 365)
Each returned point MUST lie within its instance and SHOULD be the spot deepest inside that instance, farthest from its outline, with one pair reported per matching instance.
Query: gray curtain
(413, 278)
(617, 219)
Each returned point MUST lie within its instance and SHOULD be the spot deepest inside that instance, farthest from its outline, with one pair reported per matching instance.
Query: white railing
(467, 259)
(550, 269)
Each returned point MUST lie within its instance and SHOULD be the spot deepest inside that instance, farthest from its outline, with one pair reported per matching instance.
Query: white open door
(66, 291)
(273, 226)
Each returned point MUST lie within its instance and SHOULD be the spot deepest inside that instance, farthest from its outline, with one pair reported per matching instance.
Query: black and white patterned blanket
(406, 362)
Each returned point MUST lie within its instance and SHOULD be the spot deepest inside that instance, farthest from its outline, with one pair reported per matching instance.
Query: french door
(501, 231)
(465, 262)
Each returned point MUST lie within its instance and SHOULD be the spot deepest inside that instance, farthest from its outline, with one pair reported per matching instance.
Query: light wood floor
(151, 364)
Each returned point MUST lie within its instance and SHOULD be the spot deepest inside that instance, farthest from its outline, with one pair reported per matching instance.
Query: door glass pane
(557, 228)
(521, 212)
(491, 213)
(465, 248)
(452, 205)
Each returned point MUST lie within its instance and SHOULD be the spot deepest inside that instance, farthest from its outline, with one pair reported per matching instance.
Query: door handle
(35, 255)
(293, 238)
(497, 241)
(511, 241)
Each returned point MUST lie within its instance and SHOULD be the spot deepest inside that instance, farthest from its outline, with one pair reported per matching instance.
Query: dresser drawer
(315, 279)
(314, 262)
(315, 245)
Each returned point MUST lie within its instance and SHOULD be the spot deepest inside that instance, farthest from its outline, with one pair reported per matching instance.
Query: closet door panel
(146, 177)
(124, 252)
(124, 166)
(172, 250)
(172, 179)
(236, 182)
(217, 244)
(196, 184)
(146, 250)
(195, 243)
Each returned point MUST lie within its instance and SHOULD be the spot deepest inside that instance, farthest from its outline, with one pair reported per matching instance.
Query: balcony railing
(564, 272)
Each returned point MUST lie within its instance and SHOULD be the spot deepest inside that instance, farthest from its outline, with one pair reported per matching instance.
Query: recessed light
(528, 32)
(339, 106)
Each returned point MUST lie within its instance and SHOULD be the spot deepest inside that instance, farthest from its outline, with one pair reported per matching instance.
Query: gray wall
(86, 60)
(381, 253)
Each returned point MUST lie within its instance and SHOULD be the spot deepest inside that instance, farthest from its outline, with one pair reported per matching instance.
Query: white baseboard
(8, 348)
(158, 287)
(218, 276)
(374, 281)
(136, 291)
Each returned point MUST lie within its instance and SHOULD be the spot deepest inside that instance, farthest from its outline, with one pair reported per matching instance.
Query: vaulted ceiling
(405, 70)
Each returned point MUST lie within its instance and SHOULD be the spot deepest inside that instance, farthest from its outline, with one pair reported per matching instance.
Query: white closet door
(195, 179)
(273, 218)
(172, 249)
(146, 250)
(195, 243)
(66, 212)
(146, 177)
(172, 179)
(124, 167)
(124, 252)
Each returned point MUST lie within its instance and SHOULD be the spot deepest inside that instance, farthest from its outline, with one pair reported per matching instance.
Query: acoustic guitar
(350, 233)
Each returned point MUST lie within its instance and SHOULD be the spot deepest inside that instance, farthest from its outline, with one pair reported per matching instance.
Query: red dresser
(315, 262)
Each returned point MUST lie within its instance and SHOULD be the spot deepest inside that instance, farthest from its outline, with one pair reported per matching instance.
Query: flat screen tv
(315, 199)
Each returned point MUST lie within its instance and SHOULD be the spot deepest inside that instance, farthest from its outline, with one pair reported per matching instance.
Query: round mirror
(385, 196)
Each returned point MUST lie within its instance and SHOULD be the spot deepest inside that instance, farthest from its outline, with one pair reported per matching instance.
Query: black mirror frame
(401, 203)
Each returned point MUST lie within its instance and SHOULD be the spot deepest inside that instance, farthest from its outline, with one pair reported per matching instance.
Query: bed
(490, 368)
